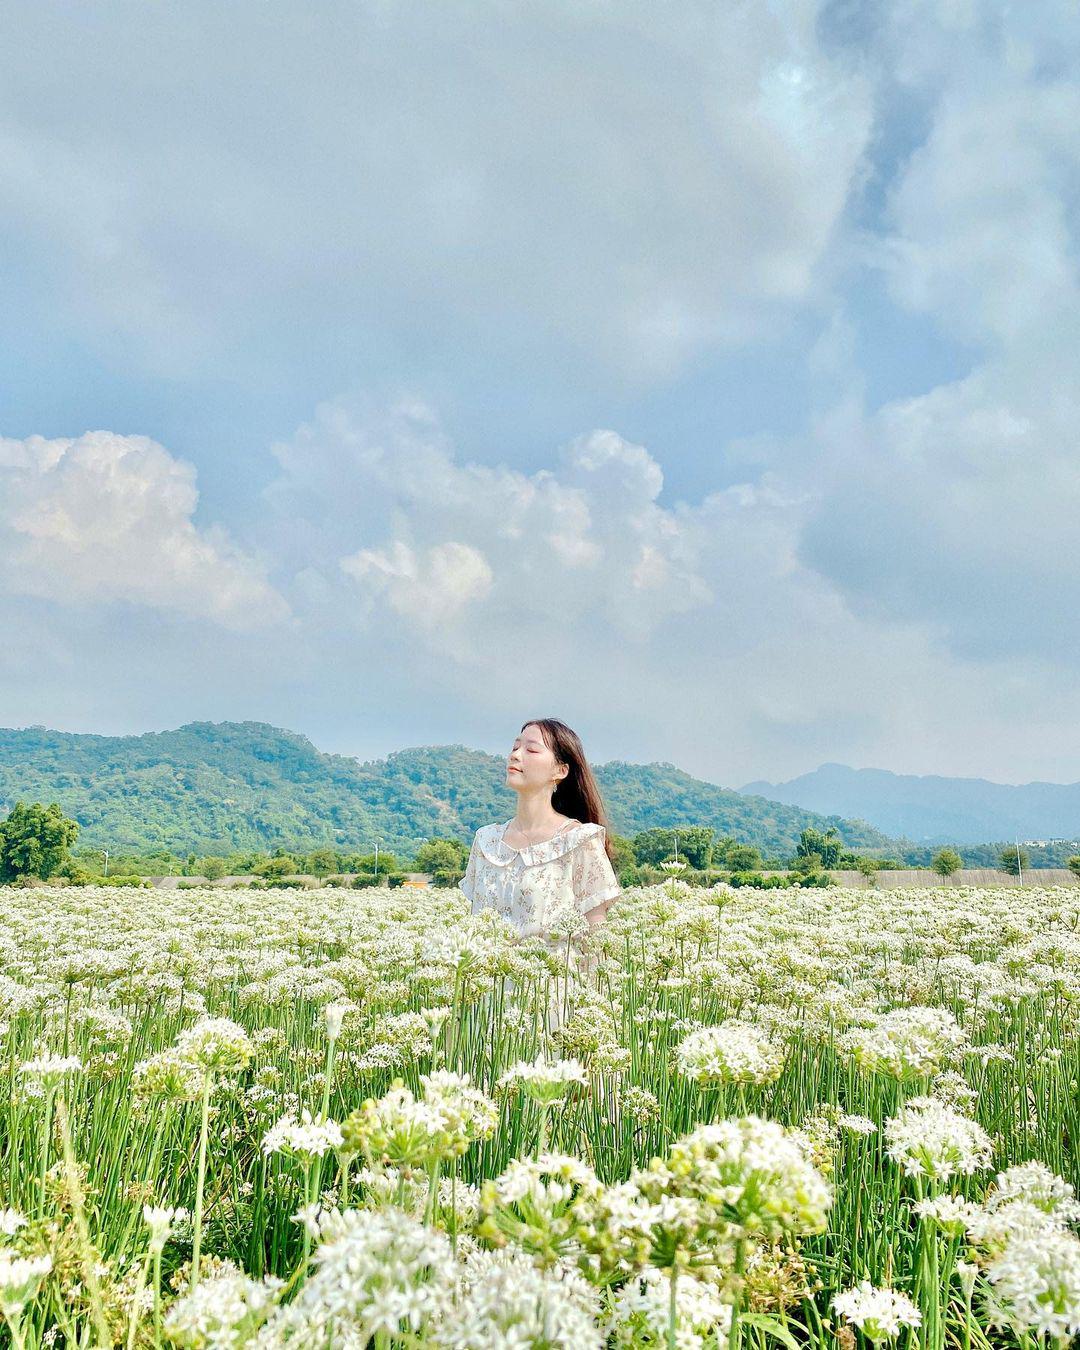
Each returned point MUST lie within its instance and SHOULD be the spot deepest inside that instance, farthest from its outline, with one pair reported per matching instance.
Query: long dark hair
(576, 795)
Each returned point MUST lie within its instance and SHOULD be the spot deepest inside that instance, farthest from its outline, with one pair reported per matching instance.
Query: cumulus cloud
(702, 623)
(104, 518)
(431, 588)
(457, 545)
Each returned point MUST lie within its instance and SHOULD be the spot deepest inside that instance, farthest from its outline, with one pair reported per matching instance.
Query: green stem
(327, 1077)
(133, 1323)
(157, 1298)
(433, 1187)
(734, 1335)
(78, 1209)
(46, 1139)
(308, 1188)
(204, 1124)
(542, 1142)
(18, 1340)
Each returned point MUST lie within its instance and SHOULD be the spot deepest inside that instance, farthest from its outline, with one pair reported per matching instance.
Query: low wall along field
(968, 876)
(322, 1118)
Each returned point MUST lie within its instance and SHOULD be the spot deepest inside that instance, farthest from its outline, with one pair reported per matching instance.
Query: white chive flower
(217, 1045)
(733, 1052)
(224, 1310)
(640, 1311)
(880, 1314)
(376, 1271)
(546, 1081)
(929, 1139)
(1036, 1285)
(161, 1220)
(1036, 1184)
(906, 1042)
(305, 1139)
(50, 1070)
(953, 1214)
(20, 1279)
(509, 1300)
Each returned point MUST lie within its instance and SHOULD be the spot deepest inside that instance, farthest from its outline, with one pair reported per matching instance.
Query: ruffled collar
(490, 840)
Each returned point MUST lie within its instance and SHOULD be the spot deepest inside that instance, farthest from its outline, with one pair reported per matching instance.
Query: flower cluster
(734, 1052)
(545, 1081)
(745, 1177)
(929, 1139)
(305, 1139)
(880, 1314)
(20, 1279)
(217, 1045)
(407, 1132)
(906, 1043)
(224, 1310)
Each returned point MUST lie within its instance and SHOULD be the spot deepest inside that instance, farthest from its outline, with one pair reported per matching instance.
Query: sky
(706, 375)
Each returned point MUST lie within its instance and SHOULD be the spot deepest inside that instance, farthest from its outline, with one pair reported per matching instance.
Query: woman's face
(531, 763)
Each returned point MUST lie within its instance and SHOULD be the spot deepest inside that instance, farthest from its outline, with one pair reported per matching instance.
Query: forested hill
(215, 787)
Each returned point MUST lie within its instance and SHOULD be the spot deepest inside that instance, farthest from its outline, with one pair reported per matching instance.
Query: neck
(535, 813)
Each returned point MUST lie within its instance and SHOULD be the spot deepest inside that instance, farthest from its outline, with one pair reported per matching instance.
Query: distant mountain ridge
(217, 787)
(932, 809)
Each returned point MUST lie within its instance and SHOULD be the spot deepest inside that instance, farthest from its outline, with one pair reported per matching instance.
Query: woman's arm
(597, 914)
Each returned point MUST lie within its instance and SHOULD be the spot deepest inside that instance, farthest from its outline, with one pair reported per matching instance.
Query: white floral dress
(534, 887)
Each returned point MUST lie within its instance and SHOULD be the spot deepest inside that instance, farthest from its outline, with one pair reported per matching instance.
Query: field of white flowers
(336, 1118)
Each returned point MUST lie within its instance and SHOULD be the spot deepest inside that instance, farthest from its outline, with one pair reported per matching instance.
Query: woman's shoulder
(565, 842)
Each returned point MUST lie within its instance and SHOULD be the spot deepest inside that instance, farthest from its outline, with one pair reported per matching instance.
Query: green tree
(281, 865)
(1011, 860)
(322, 862)
(807, 864)
(441, 857)
(388, 863)
(1073, 864)
(946, 862)
(694, 842)
(826, 845)
(34, 840)
(743, 858)
(214, 868)
(868, 867)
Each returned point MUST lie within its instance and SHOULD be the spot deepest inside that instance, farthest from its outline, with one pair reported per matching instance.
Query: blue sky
(704, 375)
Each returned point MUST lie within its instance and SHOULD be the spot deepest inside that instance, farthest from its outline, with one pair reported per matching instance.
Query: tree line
(36, 843)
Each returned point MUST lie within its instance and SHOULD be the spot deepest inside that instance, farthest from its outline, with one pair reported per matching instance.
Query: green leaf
(771, 1327)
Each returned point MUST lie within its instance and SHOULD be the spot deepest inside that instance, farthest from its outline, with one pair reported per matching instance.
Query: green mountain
(216, 787)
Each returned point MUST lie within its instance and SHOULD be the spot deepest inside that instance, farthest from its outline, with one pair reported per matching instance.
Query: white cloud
(701, 625)
(641, 182)
(107, 518)
(431, 589)
(960, 507)
(471, 543)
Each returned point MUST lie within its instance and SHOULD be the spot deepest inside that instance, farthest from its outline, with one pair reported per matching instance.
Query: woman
(553, 858)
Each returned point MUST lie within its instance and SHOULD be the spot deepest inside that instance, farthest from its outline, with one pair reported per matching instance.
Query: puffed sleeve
(467, 884)
(594, 877)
